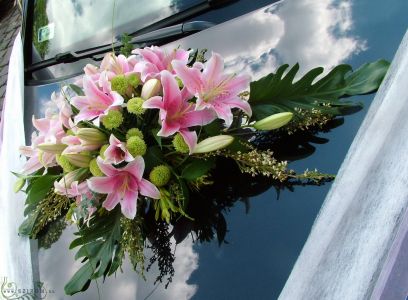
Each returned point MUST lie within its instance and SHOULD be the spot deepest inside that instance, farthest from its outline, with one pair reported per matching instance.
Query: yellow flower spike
(274, 121)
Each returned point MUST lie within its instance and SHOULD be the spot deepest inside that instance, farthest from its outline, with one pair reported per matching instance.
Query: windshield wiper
(93, 53)
(161, 30)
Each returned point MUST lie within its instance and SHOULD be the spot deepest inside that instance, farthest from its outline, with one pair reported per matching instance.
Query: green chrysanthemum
(160, 175)
(134, 106)
(120, 84)
(134, 132)
(102, 150)
(133, 80)
(136, 146)
(94, 168)
(179, 144)
(64, 163)
(113, 119)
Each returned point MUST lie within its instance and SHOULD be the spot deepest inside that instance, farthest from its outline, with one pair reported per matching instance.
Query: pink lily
(113, 65)
(97, 101)
(123, 186)
(117, 152)
(74, 190)
(80, 192)
(155, 60)
(75, 145)
(176, 114)
(214, 89)
(64, 109)
(49, 131)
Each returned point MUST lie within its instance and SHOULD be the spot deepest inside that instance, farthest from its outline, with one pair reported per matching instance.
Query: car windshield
(66, 25)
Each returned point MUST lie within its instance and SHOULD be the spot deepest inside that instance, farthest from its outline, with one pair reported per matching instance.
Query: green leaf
(156, 137)
(80, 280)
(39, 188)
(153, 157)
(278, 92)
(76, 89)
(27, 226)
(98, 243)
(197, 168)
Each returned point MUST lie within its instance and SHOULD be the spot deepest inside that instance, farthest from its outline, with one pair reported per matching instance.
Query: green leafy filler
(103, 241)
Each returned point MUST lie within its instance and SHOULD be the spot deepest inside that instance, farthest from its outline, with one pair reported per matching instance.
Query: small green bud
(94, 168)
(102, 150)
(113, 119)
(134, 132)
(79, 159)
(52, 148)
(160, 175)
(120, 84)
(134, 106)
(136, 146)
(274, 121)
(19, 184)
(179, 144)
(213, 143)
(133, 80)
(63, 161)
(91, 136)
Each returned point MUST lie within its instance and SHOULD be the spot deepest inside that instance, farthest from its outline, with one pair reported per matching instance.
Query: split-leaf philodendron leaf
(277, 92)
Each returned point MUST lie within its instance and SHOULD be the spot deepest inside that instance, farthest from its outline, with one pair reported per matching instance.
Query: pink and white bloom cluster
(186, 98)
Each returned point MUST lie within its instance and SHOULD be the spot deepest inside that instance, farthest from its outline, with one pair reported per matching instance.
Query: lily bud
(65, 182)
(79, 160)
(91, 136)
(274, 121)
(150, 88)
(213, 143)
(52, 148)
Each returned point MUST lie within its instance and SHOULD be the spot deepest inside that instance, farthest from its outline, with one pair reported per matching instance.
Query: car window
(66, 25)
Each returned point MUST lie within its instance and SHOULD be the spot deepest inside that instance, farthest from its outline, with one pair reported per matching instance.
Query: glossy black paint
(265, 241)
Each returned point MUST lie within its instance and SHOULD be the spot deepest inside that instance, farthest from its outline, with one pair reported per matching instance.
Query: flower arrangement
(128, 146)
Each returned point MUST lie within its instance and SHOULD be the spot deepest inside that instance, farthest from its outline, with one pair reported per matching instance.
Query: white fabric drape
(358, 223)
(15, 251)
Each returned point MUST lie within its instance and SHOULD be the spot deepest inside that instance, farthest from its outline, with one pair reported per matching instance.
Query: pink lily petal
(154, 102)
(27, 151)
(101, 185)
(111, 201)
(224, 113)
(190, 77)
(32, 165)
(238, 84)
(148, 189)
(241, 104)
(42, 125)
(129, 204)
(190, 137)
(171, 92)
(117, 151)
(107, 169)
(168, 128)
(94, 93)
(136, 167)
(197, 118)
(214, 67)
